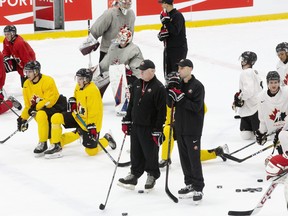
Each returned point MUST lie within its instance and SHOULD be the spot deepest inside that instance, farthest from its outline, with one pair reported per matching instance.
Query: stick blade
(240, 212)
(101, 206)
(124, 164)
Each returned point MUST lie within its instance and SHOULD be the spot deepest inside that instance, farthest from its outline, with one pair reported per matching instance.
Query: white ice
(77, 184)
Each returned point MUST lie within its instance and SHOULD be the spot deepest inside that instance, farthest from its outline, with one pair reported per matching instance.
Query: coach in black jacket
(189, 118)
(173, 34)
(144, 120)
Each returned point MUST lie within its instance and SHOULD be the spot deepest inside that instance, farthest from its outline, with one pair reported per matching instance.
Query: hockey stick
(249, 144)
(104, 149)
(261, 203)
(90, 61)
(230, 157)
(101, 206)
(168, 192)
(11, 135)
(10, 108)
(243, 148)
(115, 162)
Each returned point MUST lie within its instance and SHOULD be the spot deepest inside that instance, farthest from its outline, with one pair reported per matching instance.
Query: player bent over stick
(87, 105)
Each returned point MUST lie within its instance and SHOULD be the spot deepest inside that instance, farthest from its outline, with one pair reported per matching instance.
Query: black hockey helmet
(10, 28)
(33, 65)
(273, 75)
(248, 57)
(86, 73)
(282, 47)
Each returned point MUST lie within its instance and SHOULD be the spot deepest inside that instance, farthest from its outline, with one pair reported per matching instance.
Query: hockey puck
(124, 214)
(238, 190)
(140, 191)
(259, 180)
(244, 190)
(219, 186)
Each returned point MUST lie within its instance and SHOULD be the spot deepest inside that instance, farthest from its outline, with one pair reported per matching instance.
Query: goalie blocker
(89, 45)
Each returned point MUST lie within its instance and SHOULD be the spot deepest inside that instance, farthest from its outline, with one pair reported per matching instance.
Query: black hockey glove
(238, 102)
(32, 110)
(92, 132)
(22, 124)
(158, 137)
(261, 138)
(10, 64)
(163, 34)
(126, 127)
(72, 104)
(173, 80)
(176, 94)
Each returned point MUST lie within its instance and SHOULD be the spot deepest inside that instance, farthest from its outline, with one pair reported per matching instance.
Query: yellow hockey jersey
(44, 92)
(89, 105)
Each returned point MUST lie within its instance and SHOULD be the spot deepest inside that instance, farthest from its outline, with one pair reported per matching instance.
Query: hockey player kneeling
(85, 113)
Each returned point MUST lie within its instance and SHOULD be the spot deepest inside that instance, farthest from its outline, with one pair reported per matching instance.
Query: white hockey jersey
(250, 86)
(282, 69)
(272, 111)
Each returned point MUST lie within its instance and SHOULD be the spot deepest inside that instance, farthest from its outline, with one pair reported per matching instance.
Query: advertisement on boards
(15, 12)
(152, 7)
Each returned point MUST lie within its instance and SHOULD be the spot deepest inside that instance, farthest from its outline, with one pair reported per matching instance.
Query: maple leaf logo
(273, 115)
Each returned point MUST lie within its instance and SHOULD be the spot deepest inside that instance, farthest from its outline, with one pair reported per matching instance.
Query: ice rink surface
(76, 184)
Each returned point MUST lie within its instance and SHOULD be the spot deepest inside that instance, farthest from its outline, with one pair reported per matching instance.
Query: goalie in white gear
(108, 26)
(122, 51)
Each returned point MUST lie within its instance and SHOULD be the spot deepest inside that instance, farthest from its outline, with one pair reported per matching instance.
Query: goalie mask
(124, 36)
(248, 57)
(125, 5)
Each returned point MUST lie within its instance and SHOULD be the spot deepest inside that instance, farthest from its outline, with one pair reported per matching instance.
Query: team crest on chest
(190, 91)
(277, 116)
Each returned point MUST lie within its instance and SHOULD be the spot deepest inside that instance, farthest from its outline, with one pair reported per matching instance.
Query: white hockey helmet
(124, 36)
(125, 5)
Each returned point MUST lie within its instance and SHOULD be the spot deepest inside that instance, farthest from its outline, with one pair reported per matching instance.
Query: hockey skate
(129, 182)
(54, 152)
(164, 163)
(219, 151)
(150, 182)
(197, 197)
(186, 192)
(40, 149)
(111, 141)
(15, 102)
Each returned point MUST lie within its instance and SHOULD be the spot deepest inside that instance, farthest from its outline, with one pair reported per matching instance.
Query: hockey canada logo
(276, 116)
